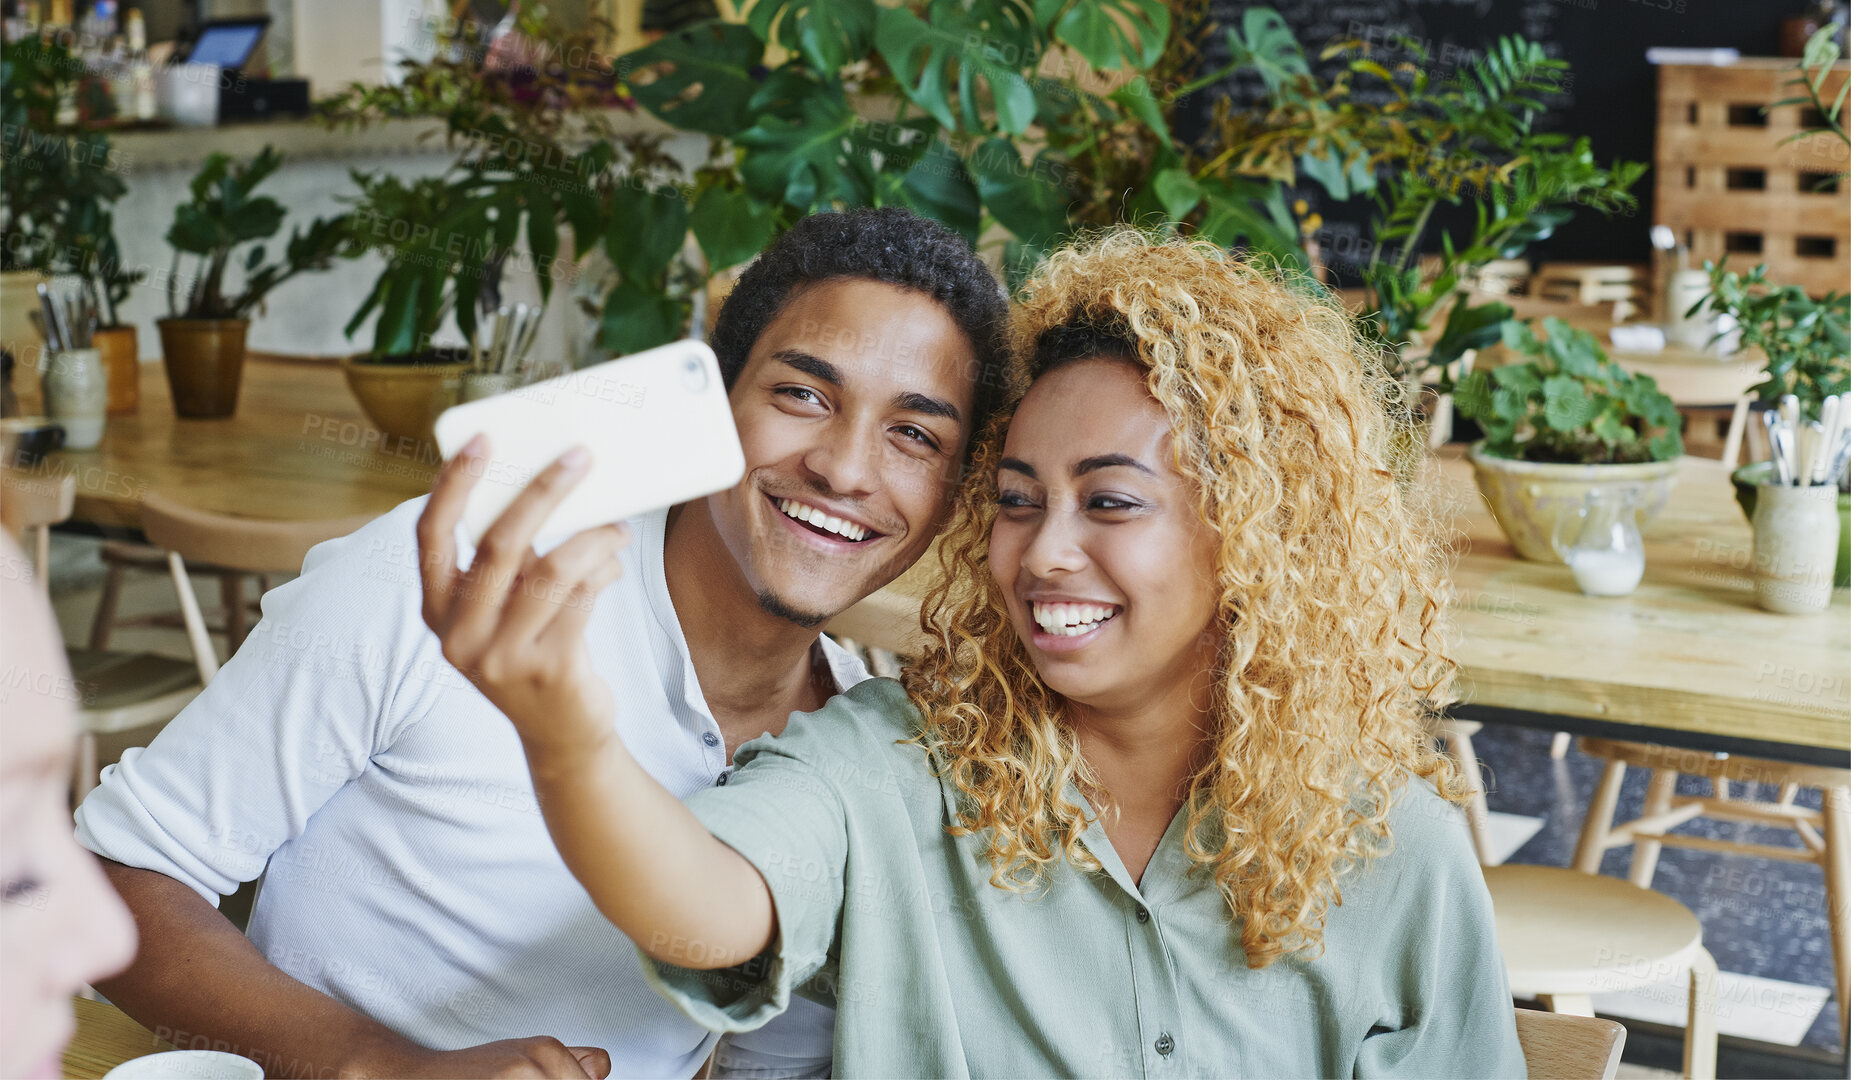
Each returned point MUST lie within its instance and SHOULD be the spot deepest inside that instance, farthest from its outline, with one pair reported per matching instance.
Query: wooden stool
(1567, 936)
(1458, 736)
(1559, 1046)
(1825, 834)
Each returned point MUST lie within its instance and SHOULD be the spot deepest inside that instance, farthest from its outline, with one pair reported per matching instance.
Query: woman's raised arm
(514, 625)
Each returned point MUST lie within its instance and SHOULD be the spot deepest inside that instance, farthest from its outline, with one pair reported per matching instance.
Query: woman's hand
(514, 623)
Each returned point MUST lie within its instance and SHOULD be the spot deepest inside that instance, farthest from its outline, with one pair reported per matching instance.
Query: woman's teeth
(847, 530)
(1072, 620)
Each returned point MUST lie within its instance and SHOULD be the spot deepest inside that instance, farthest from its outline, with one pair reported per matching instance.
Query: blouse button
(710, 738)
(1165, 1044)
(1143, 915)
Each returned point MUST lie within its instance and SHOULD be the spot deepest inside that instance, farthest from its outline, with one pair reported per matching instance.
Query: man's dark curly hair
(893, 245)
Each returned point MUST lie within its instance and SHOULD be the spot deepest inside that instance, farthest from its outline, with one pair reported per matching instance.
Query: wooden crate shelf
(1723, 186)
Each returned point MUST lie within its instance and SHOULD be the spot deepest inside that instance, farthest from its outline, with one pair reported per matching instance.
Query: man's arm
(196, 976)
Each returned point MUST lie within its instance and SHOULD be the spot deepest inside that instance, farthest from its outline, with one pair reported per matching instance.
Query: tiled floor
(1762, 919)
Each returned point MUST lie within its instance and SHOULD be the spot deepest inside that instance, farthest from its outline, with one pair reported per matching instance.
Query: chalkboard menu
(1610, 95)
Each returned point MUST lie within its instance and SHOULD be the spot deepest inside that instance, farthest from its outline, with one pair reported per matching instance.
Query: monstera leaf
(803, 160)
(636, 318)
(645, 230)
(988, 41)
(699, 79)
(1027, 198)
(828, 34)
(940, 187)
(1108, 33)
(731, 226)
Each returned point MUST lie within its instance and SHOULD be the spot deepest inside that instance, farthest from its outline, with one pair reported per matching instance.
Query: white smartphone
(658, 425)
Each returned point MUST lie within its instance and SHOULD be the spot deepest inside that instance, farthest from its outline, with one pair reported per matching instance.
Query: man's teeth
(1072, 620)
(848, 530)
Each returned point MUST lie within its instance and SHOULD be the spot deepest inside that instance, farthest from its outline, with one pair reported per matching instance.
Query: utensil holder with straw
(1796, 545)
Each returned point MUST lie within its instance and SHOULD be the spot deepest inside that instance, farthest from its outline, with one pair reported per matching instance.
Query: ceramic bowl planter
(1528, 497)
(403, 397)
(204, 359)
(1749, 477)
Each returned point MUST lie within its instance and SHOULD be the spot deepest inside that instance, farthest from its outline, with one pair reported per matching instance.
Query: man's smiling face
(853, 408)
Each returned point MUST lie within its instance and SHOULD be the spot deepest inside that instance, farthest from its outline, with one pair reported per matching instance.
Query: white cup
(187, 1064)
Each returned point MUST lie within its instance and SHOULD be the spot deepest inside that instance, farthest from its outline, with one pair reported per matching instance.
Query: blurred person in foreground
(61, 925)
(1156, 799)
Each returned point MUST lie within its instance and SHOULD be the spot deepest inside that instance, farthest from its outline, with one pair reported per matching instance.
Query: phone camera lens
(694, 375)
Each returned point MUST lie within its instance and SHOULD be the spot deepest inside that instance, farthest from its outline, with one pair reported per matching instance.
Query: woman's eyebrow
(1107, 461)
(1010, 464)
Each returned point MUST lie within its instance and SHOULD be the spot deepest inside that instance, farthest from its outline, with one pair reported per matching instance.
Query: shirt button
(1143, 914)
(1165, 1044)
(710, 738)
(721, 780)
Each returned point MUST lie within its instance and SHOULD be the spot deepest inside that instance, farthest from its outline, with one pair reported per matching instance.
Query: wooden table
(105, 1038)
(298, 448)
(1687, 659)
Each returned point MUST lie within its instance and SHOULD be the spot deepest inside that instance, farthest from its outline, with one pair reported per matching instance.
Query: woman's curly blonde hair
(1329, 618)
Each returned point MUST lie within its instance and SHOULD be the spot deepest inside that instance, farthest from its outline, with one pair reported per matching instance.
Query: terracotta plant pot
(1526, 497)
(205, 363)
(121, 351)
(1749, 477)
(403, 399)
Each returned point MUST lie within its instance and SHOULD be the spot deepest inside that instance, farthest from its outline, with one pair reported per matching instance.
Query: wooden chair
(1562, 1046)
(30, 505)
(183, 535)
(1567, 936)
(123, 557)
(1825, 834)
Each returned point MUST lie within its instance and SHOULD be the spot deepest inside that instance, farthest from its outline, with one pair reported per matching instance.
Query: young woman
(1156, 801)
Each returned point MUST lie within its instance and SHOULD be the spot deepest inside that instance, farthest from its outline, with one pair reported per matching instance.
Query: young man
(414, 917)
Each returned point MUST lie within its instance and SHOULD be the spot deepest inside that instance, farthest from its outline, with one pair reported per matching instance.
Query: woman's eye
(1013, 500)
(1110, 502)
(19, 890)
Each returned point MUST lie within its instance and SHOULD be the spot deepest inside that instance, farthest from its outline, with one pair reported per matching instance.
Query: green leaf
(1265, 41)
(990, 42)
(828, 34)
(699, 79)
(1475, 327)
(645, 230)
(731, 226)
(1242, 211)
(1178, 192)
(1566, 405)
(1472, 395)
(586, 217)
(1028, 199)
(1135, 97)
(542, 236)
(1109, 33)
(803, 161)
(636, 318)
(940, 187)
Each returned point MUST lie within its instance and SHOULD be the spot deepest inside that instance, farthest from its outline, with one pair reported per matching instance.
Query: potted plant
(1560, 424)
(534, 154)
(60, 181)
(1807, 341)
(202, 339)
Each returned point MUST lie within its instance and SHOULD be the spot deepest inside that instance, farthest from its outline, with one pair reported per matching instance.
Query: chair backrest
(1558, 1046)
(248, 544)
(30, 504)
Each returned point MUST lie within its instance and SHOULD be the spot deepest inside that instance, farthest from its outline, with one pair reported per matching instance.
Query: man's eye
(917, 435)
(800, 393)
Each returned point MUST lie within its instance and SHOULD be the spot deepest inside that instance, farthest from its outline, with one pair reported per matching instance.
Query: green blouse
(933, 971)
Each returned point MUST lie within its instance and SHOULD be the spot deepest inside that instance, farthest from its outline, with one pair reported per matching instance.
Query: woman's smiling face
(1106, 567)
